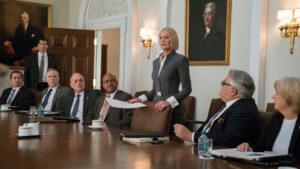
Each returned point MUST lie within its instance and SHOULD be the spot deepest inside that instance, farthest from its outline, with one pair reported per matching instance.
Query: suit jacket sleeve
(184, 75)
(126, 114)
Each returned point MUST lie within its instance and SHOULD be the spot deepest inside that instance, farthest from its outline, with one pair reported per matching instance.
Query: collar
(172, 53)
(229, 103)
(53, 88)
(112, 95)
(40, 54)
(207, 30)
(17, 88)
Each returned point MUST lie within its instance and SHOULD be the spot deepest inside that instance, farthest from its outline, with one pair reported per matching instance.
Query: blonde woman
(282, 135)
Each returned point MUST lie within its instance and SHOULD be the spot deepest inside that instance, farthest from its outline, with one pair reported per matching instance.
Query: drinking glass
(31, 113)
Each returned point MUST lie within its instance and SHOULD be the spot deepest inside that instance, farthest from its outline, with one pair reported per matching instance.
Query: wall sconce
(290, 24)
(147, 39)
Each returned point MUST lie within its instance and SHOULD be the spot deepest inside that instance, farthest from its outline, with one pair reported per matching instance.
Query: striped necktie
(45, 102)
(11, 96)
(76, 105)
(41, 69)
(104, 109)
(212, 119)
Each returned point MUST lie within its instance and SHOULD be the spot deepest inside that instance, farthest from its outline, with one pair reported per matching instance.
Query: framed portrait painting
(21, 27)
(207, 31)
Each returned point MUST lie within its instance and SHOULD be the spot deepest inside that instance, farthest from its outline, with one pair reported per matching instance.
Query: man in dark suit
(80, 101)
(17, 95)
(52, 95)
(36, 67)
(103, 111)
(25, 40)
(236, 120)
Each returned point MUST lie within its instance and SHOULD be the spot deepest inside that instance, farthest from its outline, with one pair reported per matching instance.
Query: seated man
(103, 111)
(80, 101)
(17, 95)
(52, 95)
(236, 120)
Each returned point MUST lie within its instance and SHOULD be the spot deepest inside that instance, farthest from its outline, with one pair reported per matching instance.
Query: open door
(74, 49)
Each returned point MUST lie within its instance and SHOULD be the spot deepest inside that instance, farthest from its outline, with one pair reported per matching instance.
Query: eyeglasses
(107, 81)
(223, 83)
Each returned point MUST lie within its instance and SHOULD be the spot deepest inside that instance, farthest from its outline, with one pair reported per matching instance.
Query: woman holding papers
(170, 70)
(282, 135)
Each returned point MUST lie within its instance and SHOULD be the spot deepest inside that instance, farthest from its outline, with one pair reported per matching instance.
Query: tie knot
(108, 95)
(50, 90)
(78, 95)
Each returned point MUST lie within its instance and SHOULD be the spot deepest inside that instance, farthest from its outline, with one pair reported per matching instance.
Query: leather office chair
(270, 108)
(137, 94)
(37, 96)
(147, 119)
(264, 118)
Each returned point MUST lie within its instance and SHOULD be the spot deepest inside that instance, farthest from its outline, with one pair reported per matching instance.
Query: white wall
(205, 79)
(111, 38)
(279, 61)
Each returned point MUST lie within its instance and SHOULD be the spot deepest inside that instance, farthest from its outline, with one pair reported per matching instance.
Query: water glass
(32, 113)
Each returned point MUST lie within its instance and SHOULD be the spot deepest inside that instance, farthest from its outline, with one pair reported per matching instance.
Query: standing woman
(169, 70)
(282, 135)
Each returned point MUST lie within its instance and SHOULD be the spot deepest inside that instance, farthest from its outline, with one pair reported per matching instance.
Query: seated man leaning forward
(102, 110)
(80, 101)
(236, 120)
(52, 95)
(17, 96)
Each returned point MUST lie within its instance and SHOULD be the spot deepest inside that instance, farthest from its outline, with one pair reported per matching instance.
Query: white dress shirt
(45, 64)
(283, 139)
(228, 104)
(80, 107)
(50, 99)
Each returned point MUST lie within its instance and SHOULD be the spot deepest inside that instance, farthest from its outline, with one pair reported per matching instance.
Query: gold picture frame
(40, 17)
(211, 48)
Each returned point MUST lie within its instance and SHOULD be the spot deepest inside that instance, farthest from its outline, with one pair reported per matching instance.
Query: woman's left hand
(159, 106)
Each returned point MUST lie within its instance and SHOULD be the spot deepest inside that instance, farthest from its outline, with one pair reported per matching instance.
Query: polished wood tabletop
(75, 146)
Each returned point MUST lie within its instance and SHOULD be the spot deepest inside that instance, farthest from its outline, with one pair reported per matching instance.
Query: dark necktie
(41, 69)
(11, 96)
(75, 109)
(211, 120)
(45, 102)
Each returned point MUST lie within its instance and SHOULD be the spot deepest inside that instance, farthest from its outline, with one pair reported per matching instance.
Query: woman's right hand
(135, 100)
(244, 147)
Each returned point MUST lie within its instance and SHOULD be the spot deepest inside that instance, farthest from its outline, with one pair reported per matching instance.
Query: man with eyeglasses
(103, 111)
(80, 101)
(236, 120)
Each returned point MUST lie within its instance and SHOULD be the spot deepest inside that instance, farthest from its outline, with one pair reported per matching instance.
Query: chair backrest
(147, 119)
(270, 108)
(189, 103)
(215, 102)
(37, 96)
(264, 118)
(137, 94)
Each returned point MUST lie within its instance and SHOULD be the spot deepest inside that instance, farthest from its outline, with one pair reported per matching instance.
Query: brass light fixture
(147, 39)
(289, 26)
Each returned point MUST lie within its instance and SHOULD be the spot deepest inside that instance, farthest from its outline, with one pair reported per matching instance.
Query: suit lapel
(295, 135)
(17, 95)
(35, 62)
(58, 90)
(110, 108)
(85, 103)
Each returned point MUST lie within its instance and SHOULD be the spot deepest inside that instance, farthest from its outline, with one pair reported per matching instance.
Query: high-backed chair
(37, 96)
(264, 118)
(270, 108)
(147, 119)
(137, 94)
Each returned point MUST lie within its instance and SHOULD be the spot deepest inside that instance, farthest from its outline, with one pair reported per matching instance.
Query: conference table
(75, 146)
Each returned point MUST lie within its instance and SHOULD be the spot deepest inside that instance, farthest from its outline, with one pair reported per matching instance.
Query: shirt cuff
(143, 98)
(173, 102)
(193, 134)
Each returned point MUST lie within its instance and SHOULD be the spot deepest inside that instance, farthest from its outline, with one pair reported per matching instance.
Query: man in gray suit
(103, 111)
(52, 95)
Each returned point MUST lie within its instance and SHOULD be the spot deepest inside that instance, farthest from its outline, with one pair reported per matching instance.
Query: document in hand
(123, 105)
(259, 158)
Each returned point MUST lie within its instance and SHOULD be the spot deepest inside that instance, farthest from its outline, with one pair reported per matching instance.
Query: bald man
(103, 111)
(80, 101)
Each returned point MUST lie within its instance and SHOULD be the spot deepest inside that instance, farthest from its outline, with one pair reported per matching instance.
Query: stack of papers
(141, 140)
(123, 105)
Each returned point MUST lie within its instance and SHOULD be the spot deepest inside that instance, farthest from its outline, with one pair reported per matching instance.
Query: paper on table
(123, 105)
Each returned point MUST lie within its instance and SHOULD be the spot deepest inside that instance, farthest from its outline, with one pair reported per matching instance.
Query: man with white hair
(236, 120)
